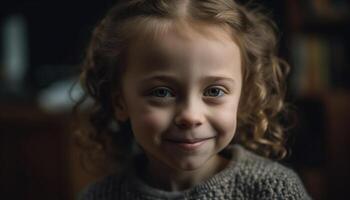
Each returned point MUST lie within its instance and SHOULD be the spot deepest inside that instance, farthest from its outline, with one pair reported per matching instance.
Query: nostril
(184, 125)
(186, 122)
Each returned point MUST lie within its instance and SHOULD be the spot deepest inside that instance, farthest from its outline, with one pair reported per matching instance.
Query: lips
(190, 141)
(187, 144)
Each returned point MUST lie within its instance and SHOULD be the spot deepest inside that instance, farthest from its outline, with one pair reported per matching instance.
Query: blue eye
(161, 92)
(214, 92)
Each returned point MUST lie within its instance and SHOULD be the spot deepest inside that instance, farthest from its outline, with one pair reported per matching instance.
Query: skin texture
(181, 92)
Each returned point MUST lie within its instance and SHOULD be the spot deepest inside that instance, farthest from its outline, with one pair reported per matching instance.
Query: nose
(189, 114)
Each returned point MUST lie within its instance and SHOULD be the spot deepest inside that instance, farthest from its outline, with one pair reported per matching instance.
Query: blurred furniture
(32, 153)
(338, 145)
(38, 160)
(320, 152)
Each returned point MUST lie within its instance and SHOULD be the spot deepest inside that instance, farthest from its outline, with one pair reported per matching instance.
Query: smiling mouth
(187, 144)
(189, 141)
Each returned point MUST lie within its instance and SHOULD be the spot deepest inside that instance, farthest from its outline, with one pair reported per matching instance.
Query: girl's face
(181, 94)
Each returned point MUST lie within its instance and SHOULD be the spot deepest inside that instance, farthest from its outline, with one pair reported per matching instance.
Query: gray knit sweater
(248, 176)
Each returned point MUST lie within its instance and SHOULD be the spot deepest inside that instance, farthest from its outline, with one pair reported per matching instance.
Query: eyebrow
(173, 80)
(218, 78)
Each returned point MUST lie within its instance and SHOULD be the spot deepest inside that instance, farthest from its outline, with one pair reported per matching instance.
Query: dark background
(37, 160)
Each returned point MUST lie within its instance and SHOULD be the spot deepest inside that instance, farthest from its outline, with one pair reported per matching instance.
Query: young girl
(188, 96)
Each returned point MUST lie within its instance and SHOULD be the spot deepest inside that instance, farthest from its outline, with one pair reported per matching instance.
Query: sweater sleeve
(284, 183)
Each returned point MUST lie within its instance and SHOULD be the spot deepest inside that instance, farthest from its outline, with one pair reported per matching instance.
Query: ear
(120, 109)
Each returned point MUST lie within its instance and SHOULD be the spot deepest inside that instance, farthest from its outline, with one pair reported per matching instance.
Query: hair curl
(261, 108)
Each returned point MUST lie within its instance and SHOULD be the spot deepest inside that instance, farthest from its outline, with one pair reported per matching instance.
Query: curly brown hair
(262, 105)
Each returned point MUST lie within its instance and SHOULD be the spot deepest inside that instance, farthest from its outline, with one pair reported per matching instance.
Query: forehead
(178, 44)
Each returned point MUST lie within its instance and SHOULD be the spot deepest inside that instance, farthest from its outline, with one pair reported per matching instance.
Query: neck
(166, 178)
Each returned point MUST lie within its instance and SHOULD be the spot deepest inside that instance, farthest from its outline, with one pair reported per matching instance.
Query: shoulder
(104, 189)
(267, 179)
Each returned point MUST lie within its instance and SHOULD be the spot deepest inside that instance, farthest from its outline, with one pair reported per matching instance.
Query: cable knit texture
(248, 176)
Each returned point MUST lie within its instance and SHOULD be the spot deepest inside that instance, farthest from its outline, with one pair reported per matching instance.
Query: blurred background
(42, 44)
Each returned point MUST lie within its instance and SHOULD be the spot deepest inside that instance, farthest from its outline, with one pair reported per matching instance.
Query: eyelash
(152, 92)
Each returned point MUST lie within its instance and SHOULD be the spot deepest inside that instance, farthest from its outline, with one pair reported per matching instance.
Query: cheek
(225, 120)
(228, 121)
(151, 122)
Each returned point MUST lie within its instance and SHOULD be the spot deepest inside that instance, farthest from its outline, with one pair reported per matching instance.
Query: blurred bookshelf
(316, 45)
(317, 33)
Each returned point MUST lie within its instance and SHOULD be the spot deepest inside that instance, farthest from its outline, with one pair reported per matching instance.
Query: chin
(189, 165)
